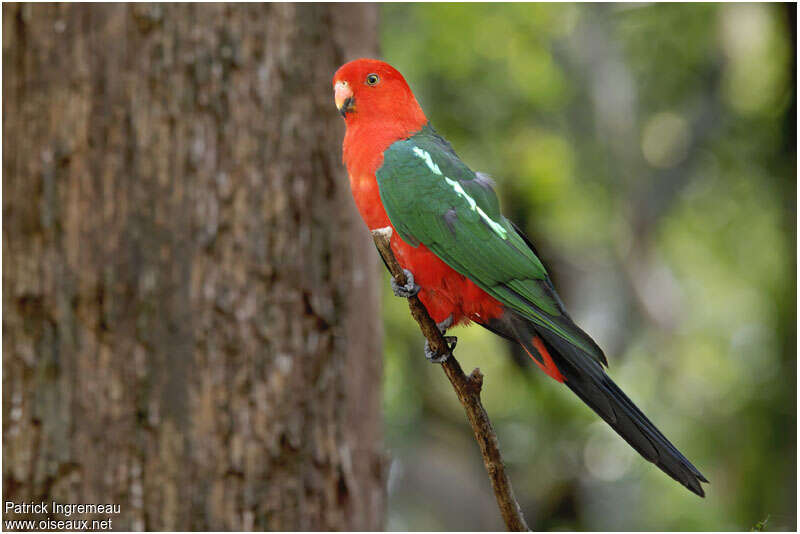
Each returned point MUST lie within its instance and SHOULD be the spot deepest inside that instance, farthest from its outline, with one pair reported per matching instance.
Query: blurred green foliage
(649, 152)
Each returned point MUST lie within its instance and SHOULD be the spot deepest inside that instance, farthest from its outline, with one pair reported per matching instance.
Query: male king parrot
(464, 259)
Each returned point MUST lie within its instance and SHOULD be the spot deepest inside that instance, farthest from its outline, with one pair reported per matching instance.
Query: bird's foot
(434, 357)
(407, 291)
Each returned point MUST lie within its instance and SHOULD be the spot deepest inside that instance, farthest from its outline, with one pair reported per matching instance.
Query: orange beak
(343, 96)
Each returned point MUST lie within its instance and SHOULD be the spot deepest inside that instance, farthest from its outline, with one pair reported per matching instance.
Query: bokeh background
(649, 152)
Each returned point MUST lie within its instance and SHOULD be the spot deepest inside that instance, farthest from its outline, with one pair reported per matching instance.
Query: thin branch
(468, 390)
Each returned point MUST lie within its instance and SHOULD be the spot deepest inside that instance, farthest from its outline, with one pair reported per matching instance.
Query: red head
(369, 92)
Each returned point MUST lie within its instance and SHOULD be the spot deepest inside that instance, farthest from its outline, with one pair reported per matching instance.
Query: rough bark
(190, 324)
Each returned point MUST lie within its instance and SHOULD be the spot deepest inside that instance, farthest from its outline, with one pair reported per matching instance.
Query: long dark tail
(586, 378)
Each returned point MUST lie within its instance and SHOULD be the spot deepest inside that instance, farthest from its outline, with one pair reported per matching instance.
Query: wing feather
(432, 197)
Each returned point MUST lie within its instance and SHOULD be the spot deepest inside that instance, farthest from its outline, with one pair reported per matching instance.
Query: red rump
(549, 366)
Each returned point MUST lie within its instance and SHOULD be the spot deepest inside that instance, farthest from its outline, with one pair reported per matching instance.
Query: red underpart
(444, 291)
(549, 365)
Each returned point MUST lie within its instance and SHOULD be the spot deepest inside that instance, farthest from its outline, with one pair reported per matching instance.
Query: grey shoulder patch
(484, 180)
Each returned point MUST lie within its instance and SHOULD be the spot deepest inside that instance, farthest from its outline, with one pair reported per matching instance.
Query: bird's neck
(366, 140)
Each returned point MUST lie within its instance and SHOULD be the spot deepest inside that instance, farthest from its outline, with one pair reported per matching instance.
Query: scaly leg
(451, 343)
(408, 290)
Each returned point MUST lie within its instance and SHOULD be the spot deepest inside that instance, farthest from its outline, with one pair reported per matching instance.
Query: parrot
(463, 259)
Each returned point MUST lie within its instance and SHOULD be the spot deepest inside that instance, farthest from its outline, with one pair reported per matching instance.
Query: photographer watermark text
(102, 516)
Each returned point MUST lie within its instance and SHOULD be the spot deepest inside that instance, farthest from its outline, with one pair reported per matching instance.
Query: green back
(433, 198)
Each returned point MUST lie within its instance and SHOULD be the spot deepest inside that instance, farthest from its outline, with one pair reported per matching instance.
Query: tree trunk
(191, 324)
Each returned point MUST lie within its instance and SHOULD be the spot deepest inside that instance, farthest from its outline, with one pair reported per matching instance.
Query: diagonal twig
(468, 390)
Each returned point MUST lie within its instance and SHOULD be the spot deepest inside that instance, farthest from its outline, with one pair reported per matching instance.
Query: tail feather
(586, 378)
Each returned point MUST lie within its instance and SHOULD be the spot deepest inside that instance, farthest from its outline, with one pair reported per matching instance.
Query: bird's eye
(373, 79)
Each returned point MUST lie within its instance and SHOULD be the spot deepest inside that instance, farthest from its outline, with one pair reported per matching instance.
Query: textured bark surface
(190, 324)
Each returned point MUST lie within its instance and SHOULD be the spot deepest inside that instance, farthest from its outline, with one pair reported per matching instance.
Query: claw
(433, 357)
(408, 290)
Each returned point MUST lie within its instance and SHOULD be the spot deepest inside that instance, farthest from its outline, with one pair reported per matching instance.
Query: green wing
(433, 198)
